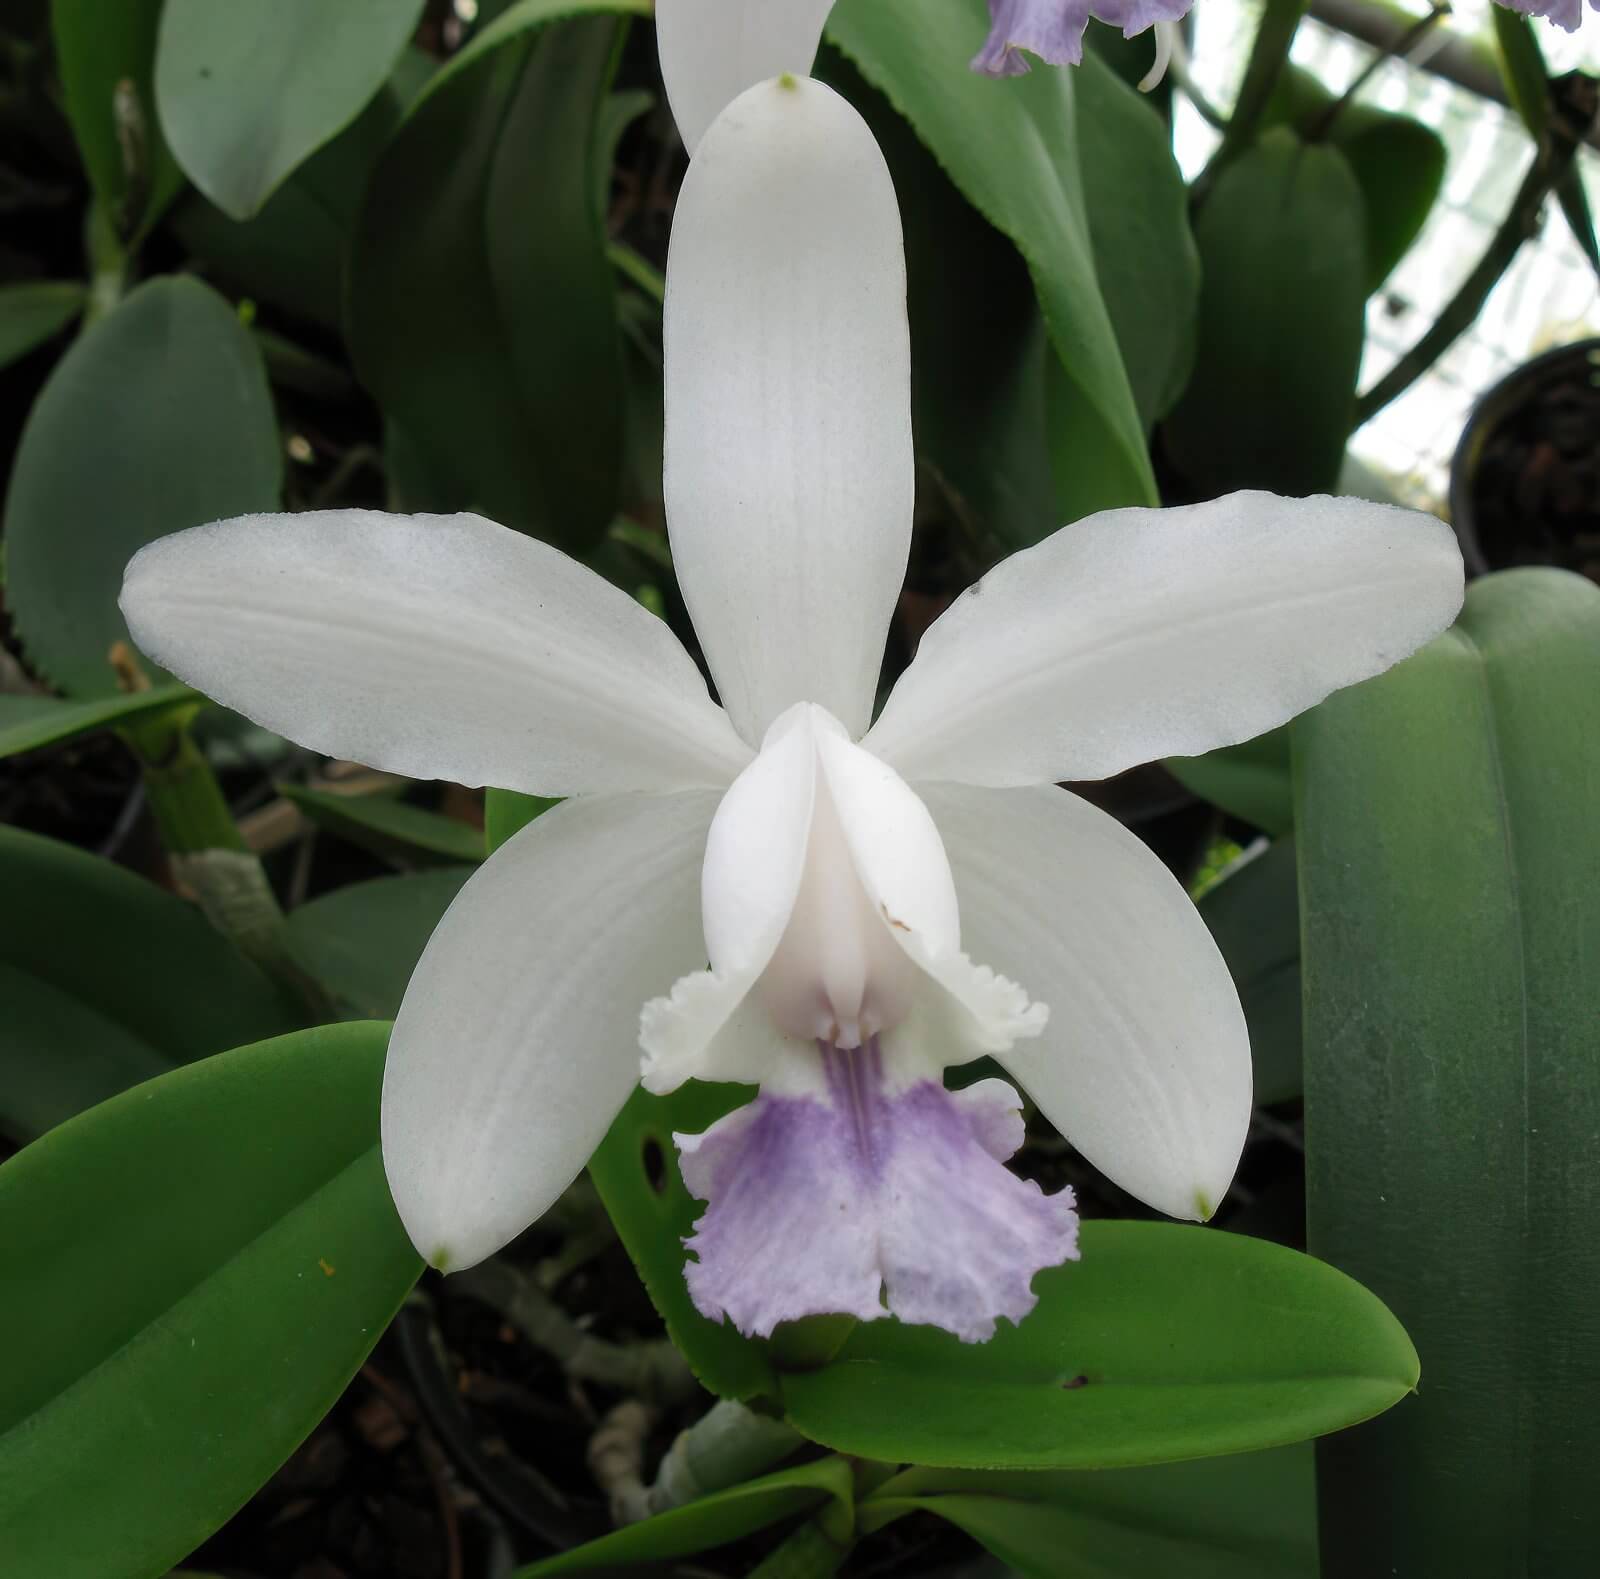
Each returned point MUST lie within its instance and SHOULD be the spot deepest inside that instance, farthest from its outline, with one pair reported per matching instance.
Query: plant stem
(1268, 55)
(1400, 45)
(1573, 110)
(809, 1553)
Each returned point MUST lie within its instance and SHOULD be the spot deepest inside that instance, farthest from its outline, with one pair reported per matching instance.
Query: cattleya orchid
(779, 890)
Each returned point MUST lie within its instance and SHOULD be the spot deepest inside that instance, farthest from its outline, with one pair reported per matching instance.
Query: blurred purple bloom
(1053, 29)
(1565, 14)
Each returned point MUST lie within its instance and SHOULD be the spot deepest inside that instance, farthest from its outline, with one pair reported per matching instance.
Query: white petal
(1138, 634)
(788, 404)
(515, 1045)
(1145, 1064)
(436, 646)
(712, 50)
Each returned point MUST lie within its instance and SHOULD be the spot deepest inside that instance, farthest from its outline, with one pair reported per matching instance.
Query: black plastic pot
(1525, 478)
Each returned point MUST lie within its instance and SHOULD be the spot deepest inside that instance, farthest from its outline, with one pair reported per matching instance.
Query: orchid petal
(515, 1045)
(1138, 634)
(1053, 29)
(1145, 1063)
(712, 50)
(436, 646)
(789, 471)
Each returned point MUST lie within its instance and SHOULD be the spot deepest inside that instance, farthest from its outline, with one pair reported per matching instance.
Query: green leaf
(1282, 298)
(249, 90)
(389, 828)
(108, 980)
(506, 812)
(28, 722)
(98, 48)
(1450, 904)
(293, 252)
(635, 1170)
(194, 1270)
(1251, 781)
(1145, 256)
(483, 208)
(30, 314)
(1254, 915)
(158, 418)
(1164, 1342)
(1245, 1516)
(715, 1520)
(1004, 145)
(363, 941)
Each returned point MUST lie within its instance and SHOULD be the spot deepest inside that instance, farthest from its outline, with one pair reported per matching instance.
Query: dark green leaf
(1282, 297)
(1450, 902)
(388, 827)
(715, 1520)
(506, 811)
(108, 981)
(28, 722)
(1251, 781)
(248, 90)
(482, 307)
(1254, 914)
(157, 419)
(1164, 1342)
(30, 314)
(636, 1171)
(1245, 1516)
(194, 1270)
(1008, 148)
(98, 48)
(363, 941)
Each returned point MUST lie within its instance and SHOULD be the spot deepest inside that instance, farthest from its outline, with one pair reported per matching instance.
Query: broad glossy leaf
(1244, 1516)
(99, 48)
(1163, 1342)
(30, 314)
(715, 1520)
(248, 90)
(28, 722)
(157, 419)
(108, 980)
(194, 1271)
(482, 211)
(1282, 296)
(507, 811)
(1252, 781)
(1254, 914)
(635, 1170)
(388, 827)
(1005, 146)
(363, 941)
(1450, 903)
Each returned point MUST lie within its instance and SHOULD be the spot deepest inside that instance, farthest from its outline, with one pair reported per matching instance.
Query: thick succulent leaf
(158, 418)
(1251, 781)
(29, 722)
(1163, 1342)
(1450, 905)
(194, 1271)
(248, 90)
(389, 827)
(30, 314)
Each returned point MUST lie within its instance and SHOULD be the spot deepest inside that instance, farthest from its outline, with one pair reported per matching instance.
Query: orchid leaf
(1243, 1516)
(363, 941)
(248, 90)
(635, 1170)
(707, 1522)
(1254, 915)
(194, 1270)
(1007, 148)
(29, 722)
(108, 980)
(505, 812)
(30, 314)
(1282, 251)
(1252, 781)
(1164, 1342)
(388, 827)
(1450, 904)
(106, 57)
(511, 380)
(99, 473)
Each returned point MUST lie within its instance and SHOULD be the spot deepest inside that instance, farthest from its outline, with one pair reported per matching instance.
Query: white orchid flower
(790, 897)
